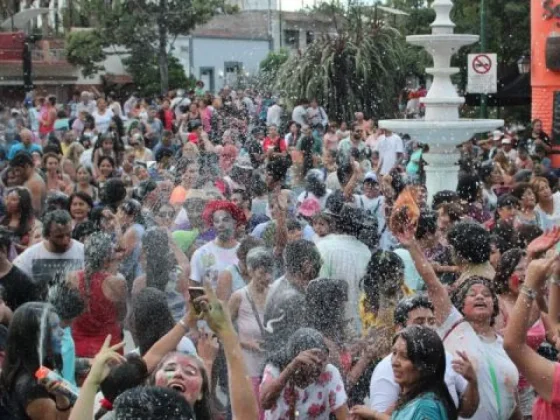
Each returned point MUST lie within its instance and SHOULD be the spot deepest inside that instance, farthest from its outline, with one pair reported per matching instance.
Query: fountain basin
(441, 135)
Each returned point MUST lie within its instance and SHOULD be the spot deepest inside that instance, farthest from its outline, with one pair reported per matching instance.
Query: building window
(232, 67)
(309, 37)
(291, 38)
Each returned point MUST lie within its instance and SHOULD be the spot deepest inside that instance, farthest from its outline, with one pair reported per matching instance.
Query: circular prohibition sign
(482, 64)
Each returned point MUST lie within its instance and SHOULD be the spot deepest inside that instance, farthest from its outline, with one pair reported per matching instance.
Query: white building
(229, 45)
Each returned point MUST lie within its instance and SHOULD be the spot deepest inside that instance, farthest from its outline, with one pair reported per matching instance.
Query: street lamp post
(483, 97)
(524, 65)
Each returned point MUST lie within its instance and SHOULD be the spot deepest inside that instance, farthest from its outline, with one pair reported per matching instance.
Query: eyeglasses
(166, 214)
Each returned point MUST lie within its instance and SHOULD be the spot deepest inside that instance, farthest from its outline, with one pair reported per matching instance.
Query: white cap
(497, 135)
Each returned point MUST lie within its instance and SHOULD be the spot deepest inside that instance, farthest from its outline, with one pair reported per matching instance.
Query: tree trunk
(162, 48)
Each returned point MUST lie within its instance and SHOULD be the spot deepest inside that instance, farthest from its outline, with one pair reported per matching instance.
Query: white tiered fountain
(441, 128)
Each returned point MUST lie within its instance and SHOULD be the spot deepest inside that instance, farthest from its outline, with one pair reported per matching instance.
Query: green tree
(269, 67)
(136, 26)
(362, 68)
(143, 66)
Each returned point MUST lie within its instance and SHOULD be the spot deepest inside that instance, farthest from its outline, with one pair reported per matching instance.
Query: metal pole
(269, 18)
(281, 36)
(483, 97)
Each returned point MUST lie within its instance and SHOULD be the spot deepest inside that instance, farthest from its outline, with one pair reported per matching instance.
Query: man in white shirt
(509, 151)
(274, 115)
(299, 114)
(384, 391)
(55, 256)
(391, 149)
(344, 256)
(87, 103)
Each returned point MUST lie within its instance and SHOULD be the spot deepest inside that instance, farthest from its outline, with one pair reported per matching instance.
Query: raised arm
(436, 290)
(243, 402)
(83, 409)
(536, 369)
(169, 341)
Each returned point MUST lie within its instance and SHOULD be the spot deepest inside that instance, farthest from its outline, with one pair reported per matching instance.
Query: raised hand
(544, 242)
(101, 365)
(213, 312)
(463, 366)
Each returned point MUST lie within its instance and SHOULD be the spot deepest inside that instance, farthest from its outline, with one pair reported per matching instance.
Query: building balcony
(48, 57)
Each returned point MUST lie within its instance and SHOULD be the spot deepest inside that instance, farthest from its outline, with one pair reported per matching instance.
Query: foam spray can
(47, 376)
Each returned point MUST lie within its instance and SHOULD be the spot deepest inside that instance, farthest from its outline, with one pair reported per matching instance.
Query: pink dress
(543, 410)
(206, 115)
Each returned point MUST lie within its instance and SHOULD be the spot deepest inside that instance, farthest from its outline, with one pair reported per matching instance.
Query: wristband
(184, 325)
(527, 291)
(554, 280)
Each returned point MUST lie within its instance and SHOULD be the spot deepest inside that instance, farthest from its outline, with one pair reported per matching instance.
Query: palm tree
(362, 68)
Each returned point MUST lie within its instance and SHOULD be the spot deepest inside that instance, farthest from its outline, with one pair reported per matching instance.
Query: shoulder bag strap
(455, 325)
(256, 313)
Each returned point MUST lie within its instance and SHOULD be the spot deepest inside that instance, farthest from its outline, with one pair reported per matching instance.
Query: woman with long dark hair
(526, 214)
(80, 205)
(19, 217)
(419, 367)
(106, 170)
(104, 291)
(84, 182)
(34, 333)
(145, 328)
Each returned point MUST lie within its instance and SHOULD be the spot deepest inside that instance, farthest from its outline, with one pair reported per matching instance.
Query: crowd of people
(218, 257)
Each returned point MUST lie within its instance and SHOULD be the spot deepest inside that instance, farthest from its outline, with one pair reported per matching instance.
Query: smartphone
(196, 292)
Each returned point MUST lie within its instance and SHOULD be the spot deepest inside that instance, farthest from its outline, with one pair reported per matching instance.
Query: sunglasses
(166, 214)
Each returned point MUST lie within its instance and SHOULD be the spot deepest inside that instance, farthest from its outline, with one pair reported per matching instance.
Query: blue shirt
(18, 147)
(68, 357)
(423, 407)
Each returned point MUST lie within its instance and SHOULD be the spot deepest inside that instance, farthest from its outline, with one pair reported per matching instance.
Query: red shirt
(543, 410)
(269, 143)
(100, 318)
(168, 116)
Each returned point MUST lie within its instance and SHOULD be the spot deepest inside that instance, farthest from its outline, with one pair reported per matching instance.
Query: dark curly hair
(459, 295)
(470, 241)
(506, 267)
(384, 277)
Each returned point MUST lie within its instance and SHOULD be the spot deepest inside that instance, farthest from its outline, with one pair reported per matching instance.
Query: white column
(441, 171)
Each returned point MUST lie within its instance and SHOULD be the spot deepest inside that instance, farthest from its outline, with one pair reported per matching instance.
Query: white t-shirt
(315, 402)
(497, 375)
(388, 147)
(42, 266)
(299, 115)
(384, 391)
(210, 260)
(346, 258)
(548, 221)
(274, 115)
(85, 158)
(102, 122)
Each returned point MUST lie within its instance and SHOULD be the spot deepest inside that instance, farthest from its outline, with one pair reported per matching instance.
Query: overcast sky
(295, 4)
